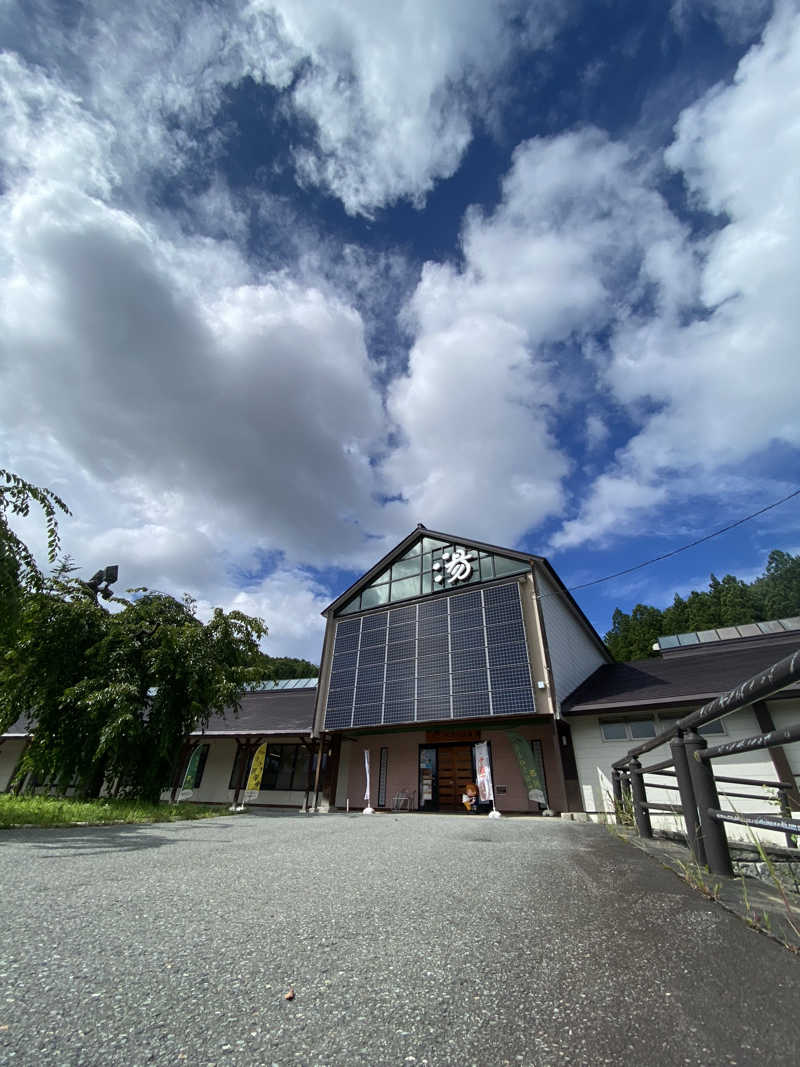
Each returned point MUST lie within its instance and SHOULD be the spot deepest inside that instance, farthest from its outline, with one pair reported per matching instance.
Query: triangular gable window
(432, 566)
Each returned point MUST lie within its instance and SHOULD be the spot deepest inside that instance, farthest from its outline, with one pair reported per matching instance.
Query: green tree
(632, 636)
(276, 667)
(735, 602)
(112, 695)
(777, 591)
(730, 602)
(676, 617)
(19, 571)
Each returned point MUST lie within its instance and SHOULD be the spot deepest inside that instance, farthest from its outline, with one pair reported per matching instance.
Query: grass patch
(64, 811)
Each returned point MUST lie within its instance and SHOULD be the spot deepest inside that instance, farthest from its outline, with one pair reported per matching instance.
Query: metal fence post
(688, 799)
(640, 812)
(712, 833)
(616, 789)
(786, 812)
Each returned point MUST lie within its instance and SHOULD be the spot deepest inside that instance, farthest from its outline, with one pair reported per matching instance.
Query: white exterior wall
(10, 751)
(594, 757)
(343, 777)
(574, 655)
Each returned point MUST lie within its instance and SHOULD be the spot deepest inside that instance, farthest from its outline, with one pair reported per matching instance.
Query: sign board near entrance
(435, 737)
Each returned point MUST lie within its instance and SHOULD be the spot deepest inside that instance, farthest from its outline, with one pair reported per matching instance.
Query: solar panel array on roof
(727, 633)
(456, 657)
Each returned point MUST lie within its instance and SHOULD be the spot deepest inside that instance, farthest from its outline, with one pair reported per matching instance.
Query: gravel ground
(408, 939)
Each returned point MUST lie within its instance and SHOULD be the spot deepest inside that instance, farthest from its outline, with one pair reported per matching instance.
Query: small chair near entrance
(403, 800)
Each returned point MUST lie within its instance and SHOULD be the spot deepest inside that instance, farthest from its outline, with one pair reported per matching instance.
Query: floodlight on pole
(101, 582)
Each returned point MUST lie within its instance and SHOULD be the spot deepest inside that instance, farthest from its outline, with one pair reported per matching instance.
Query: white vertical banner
(483, 772)
(483, 775)
(368, 810)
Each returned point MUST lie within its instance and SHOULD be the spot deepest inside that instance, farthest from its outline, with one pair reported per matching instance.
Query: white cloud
(291, 603)
(596, 432)
(198, 409)
(477, 410)
(189, 409)
(391, 92)
(257, 395)
(394, 90)
(723, 384)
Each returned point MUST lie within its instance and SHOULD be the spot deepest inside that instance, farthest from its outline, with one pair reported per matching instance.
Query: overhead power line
(683, 548)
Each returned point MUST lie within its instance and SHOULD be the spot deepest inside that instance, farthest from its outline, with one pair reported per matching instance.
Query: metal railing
(690, 763)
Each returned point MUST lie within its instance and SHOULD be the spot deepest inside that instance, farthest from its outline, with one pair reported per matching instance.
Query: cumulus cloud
(202, 403)
(222, 410)
(390, 93)
(721, 382)
(394, 90)
(487, 371)
(256, 395)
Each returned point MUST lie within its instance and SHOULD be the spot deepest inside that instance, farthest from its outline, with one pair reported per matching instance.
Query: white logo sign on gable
(457, 565)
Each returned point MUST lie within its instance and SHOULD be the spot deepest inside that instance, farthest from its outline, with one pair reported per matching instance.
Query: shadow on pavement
(89, 840)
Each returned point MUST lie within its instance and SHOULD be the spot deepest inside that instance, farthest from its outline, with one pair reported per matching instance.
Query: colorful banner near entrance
(483, 772)
(530, 772)
(256, 773)
(190, 777)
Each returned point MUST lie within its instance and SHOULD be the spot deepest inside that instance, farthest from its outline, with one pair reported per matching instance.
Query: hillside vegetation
(728, 602)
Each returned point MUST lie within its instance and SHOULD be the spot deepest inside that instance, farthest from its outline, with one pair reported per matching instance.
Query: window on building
(285, 768)
(239, 772)
(642, 728)
(613, 731)
(711, 728)
(382, 772)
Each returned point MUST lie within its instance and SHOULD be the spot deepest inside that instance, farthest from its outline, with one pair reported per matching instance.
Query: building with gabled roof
(445, 644)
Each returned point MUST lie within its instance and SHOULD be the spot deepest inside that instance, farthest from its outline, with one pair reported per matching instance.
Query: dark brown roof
(281, 711)
(676, 680)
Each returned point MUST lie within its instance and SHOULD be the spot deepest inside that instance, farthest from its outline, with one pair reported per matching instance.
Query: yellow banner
(257, 768)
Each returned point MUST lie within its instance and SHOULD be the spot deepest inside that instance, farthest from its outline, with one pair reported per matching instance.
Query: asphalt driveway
(408, 939)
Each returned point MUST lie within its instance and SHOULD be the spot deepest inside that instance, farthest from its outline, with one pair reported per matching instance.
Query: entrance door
(455, 770)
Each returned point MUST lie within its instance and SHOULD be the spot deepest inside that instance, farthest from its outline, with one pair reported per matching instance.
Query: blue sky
(282, 280)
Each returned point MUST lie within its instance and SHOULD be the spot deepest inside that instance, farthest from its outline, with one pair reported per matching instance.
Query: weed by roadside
(64, 811)
(700, 878)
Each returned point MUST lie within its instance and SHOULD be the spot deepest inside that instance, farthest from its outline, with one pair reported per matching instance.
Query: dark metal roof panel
(676, 679)
(279, 711)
